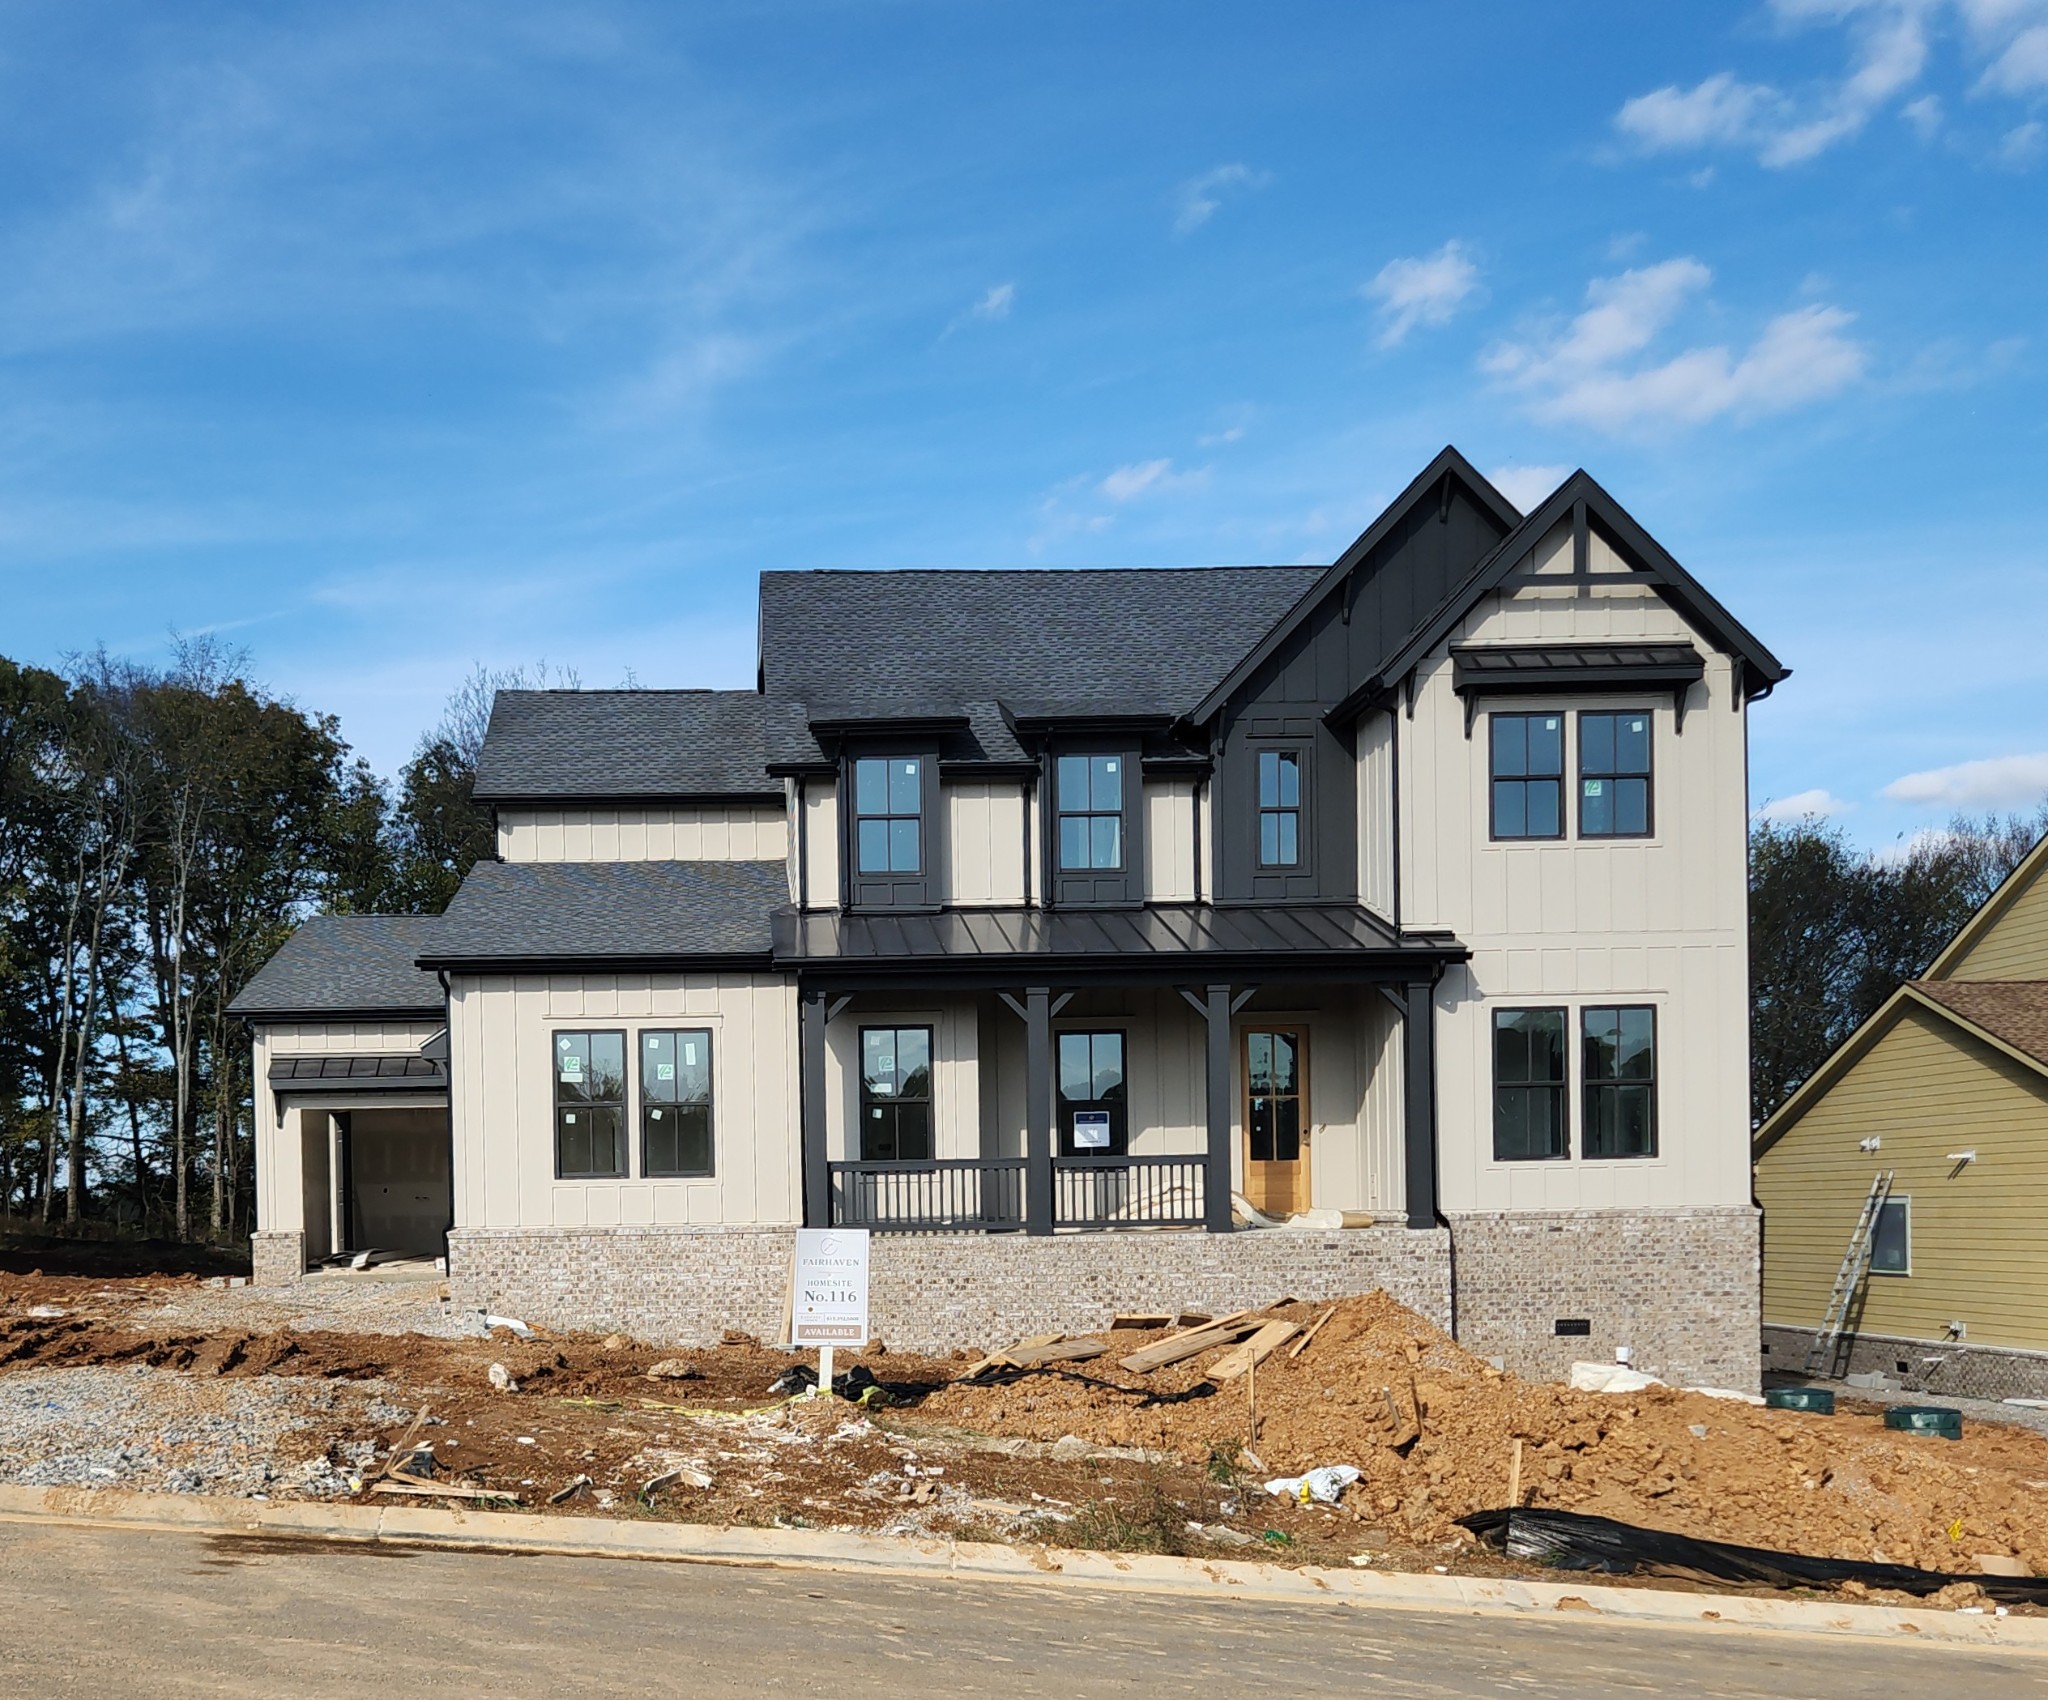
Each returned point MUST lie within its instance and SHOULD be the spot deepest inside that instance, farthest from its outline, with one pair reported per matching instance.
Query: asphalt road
(87, 1613)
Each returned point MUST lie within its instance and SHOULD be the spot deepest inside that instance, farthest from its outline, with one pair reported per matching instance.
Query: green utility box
(1943, 1420)
(1815, 1399)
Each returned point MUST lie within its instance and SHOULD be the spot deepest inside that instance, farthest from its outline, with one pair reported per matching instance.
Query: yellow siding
(1978, 1239)
(2015, 947)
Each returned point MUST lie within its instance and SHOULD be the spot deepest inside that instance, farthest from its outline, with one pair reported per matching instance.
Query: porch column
(1038, 1182)
(344, 1185)
(811, 1017)
(1216, 1187)
(1419, 1035)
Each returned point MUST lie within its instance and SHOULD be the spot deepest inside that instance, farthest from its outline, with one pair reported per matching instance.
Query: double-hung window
(1620, 1080)
(675, 1102)
(888, 812)
(895, 1094)
(1279, 808)
(1527, 775)
(590, 1105)
(1091, 809)
(1529, 1085)
(1093, 1122)
(1614, 775)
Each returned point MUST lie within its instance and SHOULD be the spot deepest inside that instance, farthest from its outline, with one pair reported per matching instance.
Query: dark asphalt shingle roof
(619, 745)
(607, 912)
(347, 965)
(1149, 640)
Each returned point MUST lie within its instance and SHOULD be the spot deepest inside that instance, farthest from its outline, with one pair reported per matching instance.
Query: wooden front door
(1276, 1119)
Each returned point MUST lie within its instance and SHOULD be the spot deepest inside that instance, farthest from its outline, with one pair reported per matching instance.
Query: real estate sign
(829, 1288)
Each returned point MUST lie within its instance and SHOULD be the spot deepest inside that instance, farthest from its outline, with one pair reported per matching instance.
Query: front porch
(948, 1087)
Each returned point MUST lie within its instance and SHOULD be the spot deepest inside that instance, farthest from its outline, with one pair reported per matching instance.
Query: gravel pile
(159, 1431)
(339, 1306)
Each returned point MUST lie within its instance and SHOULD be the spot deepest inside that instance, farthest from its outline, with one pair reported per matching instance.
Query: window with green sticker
(675, 1103)
(590, 1105)
(1614, 775)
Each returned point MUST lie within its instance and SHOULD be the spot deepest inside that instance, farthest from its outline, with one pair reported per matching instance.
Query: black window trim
(1301, 753)
(1563, 1087)
(1648, 776)
(640, 1037)
(886, 1024)
(924, 766)
(626, 1142)
(1564, 767)
(1123, 810)
(1588, 1087)
(1083, 1030)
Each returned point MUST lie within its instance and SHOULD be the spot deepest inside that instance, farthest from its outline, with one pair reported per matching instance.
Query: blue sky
(388, 340)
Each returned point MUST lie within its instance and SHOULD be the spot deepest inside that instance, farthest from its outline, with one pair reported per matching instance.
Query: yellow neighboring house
(1946, 1086)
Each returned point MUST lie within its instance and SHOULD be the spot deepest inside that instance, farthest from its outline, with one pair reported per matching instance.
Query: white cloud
(1817, 804)
(1149, 478)
(1201, 196)
(1890, 44)
(1590, 373)
(1526, 486)
(2022, 145)
(1997, 782)
(1213, 439)
(992, 308)
(1426, 289)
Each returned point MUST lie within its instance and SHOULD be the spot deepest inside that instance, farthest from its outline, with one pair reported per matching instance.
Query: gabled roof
(2009, 1016)
(622, 746)
(598, 914)
(1644, 554)
(1152, 640)
(1995, 907)
(343, 965)
(1433, 483)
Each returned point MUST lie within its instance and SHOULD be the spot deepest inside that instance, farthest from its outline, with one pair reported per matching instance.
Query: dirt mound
(1433, 1429)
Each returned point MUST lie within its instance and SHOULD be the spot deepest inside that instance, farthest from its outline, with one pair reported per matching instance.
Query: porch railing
(989, 1194)
(943, 1193)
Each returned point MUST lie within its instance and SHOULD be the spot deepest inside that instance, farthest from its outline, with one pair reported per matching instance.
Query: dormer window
(888, 807)
(1279, 808)
(1091, 811)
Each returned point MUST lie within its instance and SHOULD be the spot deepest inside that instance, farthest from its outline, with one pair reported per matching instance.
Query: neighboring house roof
(1149, 640)
(535, 914)
(2014, 1011)
(1994, 910)
(622, 746)
(342, 965)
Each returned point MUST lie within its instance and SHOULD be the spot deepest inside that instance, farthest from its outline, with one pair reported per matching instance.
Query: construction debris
(1191, 1343)
(575, 1485)
(1324, 1485)
(501, 1378)
(1301, 1345)
(672, 1369)
(1241, 1359)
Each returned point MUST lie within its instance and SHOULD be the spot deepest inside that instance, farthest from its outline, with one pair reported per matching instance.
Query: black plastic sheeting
(1569, 1540)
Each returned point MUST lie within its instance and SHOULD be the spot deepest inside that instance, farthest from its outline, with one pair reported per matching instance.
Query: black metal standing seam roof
(619, 745)
(594, 913)
(1149, 640)
(1508, 666)
(1170, 937)
(338, 965)
(350, 1073)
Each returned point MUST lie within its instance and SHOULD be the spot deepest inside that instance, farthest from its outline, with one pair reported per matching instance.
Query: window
(1614, 775)
(1891, 1241)
(1272, 1072)
(1279, 808)
(1620, 1064)
(888, 803)
(1093, 1122)
(1529, 1085)
(895, 1094)
(590, 1105)
(675, 1102)
(1528, 775)
(1091, 811)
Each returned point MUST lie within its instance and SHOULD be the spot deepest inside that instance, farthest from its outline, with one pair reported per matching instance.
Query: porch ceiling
(1160, 944)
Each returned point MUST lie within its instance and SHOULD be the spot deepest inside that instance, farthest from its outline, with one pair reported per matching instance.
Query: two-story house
(1068, 926)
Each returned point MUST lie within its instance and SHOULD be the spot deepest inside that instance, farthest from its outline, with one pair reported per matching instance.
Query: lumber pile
(1246, 1338)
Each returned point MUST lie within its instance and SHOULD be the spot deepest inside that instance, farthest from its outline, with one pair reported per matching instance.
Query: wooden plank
(1054, 1352)
(1008, 1355)
(440, 1490)
(1144, 1319)
(1191, 1344)
(1301, 1345)
(1269, 1339)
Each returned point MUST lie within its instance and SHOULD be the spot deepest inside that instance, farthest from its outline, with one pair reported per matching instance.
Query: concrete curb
(884, 1555)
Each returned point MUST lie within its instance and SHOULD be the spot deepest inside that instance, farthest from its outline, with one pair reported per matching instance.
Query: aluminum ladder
(1855, 1265)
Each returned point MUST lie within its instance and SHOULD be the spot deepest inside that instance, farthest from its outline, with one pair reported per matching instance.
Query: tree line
(162, 830)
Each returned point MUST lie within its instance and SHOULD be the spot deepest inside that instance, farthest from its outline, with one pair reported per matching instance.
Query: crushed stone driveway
(95, 1612)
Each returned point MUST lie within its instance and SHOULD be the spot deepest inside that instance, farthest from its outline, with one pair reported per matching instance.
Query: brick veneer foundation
(929, 1292)
(1679, 1288)
(1949, 1367)
(276, 1259)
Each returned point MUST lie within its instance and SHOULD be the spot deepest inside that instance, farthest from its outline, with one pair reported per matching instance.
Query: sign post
(828, 1288)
